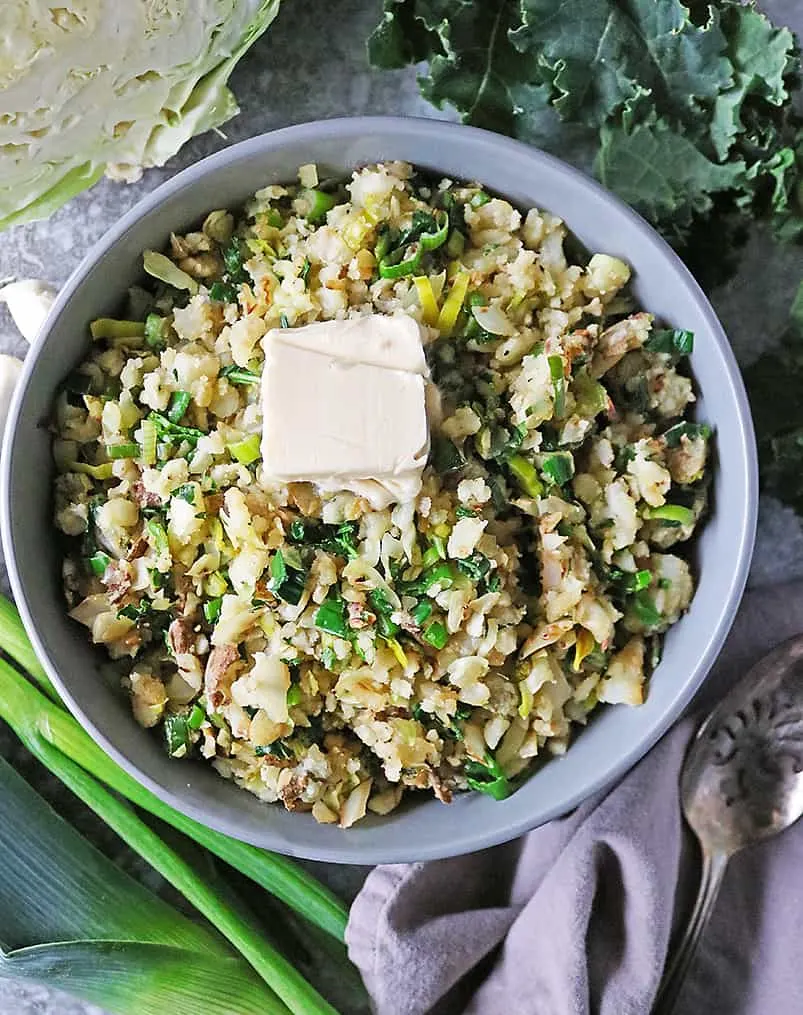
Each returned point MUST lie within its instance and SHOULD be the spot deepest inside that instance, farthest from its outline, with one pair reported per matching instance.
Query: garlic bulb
(28, 302)
(10, 369)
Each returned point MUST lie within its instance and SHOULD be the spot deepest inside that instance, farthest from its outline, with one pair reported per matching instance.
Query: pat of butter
(344, 406)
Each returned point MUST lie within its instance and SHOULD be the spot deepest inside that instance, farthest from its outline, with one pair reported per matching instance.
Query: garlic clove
(29, 302)
(10, 370)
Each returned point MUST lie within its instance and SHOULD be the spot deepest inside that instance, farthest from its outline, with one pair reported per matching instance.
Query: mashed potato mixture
(428, 550)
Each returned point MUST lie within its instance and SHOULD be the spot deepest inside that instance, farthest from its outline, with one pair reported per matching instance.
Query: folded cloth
(576, 917)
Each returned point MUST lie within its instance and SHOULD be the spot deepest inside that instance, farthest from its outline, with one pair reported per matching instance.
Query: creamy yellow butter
(345, 406)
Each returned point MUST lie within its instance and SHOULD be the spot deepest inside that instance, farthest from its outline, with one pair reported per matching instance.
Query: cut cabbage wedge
(98, 86)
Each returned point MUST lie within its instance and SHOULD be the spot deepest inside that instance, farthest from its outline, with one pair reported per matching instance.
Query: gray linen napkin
(575, 917)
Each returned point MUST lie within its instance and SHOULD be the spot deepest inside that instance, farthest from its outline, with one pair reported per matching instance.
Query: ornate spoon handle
(677, 967)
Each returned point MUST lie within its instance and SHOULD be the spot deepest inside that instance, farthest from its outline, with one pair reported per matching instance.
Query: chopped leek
(162, 268)
(488, 777)
(313, 204)
(147, 435)
(239, 375)
(558, 384)
(437, 237)
(115, 451)
(526, 475)
(426, 297)
(246, 451)
(103, 471)
(179, 403)
(107, 327)
(436, 634)
(99, 562)
(396, 265)
(155, 327)
(212, 609)
(447, 319)
(672, 514)
(558, 467)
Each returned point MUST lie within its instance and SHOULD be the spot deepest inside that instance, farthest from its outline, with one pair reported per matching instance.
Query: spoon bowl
(742, 782)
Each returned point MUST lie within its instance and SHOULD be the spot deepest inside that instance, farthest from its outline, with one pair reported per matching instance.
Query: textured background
(310, 65)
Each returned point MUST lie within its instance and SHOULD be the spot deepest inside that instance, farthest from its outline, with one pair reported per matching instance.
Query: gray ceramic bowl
(425, 829)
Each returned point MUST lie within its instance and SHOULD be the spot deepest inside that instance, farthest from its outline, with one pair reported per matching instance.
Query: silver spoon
(742, 781)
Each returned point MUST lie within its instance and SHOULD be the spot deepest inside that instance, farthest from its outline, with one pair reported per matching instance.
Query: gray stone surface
(311, 64)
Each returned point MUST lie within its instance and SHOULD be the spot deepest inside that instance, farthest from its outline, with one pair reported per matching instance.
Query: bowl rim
(438, 132)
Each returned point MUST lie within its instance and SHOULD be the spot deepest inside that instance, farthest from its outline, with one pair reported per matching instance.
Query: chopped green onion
(179, 403)
(674, 434)
(115, 451)
(293, 695)
(672, 342)
(107, 327)
(436, 634)
(488, 778)
(479, 199)
(196, 717)
(283, 321)
(456, 244)
(103, 471)
(212, 608)
(147, 432)
(159, 536)
(273, 218)
(162, 268)
(526, 475)
(246, 451)
(233, 259)
(155, 332)
(99, 562)
(223, 292)
(436, 238)
(445, 456)
(177, 736)
(591, 398)
(331, 617)
(558, 467)
(315, 204)
(164, 428)
(185, 492)
(396, 265)
(558, 383)
(305, 270)
(645, 609)
(672, 514)
(422, 612)
(239, 375)
(629, 582)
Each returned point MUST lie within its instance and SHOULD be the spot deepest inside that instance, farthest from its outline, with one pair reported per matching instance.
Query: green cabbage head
(114, 86)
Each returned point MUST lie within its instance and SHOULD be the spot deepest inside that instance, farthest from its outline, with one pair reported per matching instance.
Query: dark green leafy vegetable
(331, 617)
(672, 342)
(445, 456)
(686, 115)
(223, 292)
(339, 539)
(185, 492)
(233, 258)
(558, 467)
(286, 581)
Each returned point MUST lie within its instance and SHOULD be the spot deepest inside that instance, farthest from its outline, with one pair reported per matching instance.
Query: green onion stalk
(62, 745)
